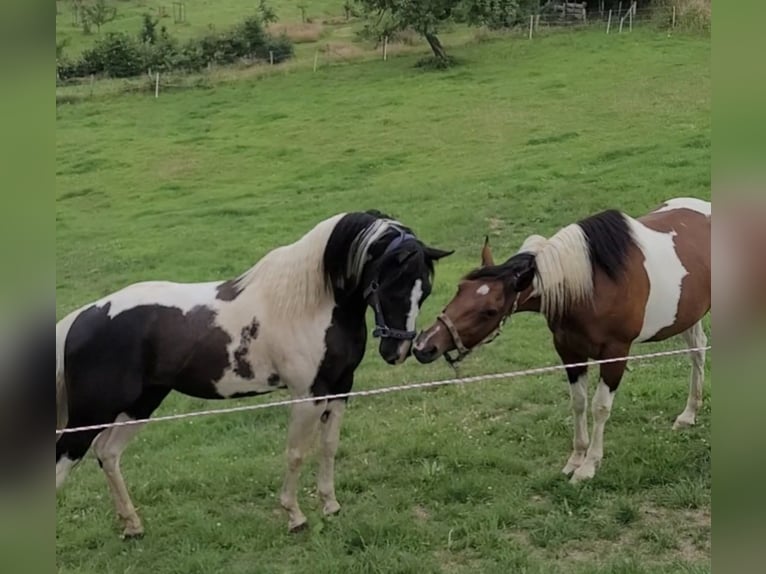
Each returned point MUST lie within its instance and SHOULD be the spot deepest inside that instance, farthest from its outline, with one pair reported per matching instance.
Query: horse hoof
(682, 423)
(132, 534)
(300, 527)
(585, 472)
(331, 507)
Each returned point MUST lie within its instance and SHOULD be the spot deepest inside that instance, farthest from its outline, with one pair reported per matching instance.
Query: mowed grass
(524, 138)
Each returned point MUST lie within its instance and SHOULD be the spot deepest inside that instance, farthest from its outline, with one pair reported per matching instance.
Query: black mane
(346, 230)
(609, 240)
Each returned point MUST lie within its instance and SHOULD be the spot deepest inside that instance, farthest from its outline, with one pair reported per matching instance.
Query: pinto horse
(295, 320)
(602, 284)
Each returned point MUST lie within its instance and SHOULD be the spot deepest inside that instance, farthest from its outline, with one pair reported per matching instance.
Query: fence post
(537, 22)
(316, 57)
(157, 86)
(674, 16)
(385, 48)
(609, 21)
(630, 17)
(619, 10)
(531, 25)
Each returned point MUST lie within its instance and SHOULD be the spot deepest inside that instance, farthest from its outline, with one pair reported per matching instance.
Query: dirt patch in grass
(298, 32)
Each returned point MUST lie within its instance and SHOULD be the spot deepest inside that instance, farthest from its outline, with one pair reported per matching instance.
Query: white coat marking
(665, 272)
(424, 342)
(698, 205)
(412, 316)
(483, 290)
(183, 296)
(63, 466)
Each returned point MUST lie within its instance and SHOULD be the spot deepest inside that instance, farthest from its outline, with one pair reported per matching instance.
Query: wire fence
(384, 390)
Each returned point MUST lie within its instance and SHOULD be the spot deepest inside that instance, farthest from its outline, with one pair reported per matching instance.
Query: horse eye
(490, 313)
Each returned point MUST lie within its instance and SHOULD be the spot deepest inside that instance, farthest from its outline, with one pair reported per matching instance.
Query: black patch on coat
(242, 366)
(273, 380)
(228, 290)
(609, 241)
(109, 361)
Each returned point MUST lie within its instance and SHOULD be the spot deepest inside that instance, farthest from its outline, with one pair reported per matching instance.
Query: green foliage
(266, 13)
(494, 14)
(386, 17)
(117, 55)
(120, 55)
(97, 14)
(148, 33)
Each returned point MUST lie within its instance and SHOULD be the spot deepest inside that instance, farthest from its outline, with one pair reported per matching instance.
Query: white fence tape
(383, 390)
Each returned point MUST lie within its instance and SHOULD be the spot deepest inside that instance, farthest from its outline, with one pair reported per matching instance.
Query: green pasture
(524, 137)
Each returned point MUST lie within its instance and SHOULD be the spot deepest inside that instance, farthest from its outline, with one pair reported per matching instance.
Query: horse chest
(665, 273)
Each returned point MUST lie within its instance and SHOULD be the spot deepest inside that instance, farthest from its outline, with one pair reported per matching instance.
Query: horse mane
(565, 262)
(358, 238)
(291, 277)
(295, 278)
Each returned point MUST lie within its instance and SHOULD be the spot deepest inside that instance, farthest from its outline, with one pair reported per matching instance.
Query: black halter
(372, 296)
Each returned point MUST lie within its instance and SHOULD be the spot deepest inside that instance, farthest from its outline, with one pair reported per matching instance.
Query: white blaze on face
(412, 316)
(483, 290)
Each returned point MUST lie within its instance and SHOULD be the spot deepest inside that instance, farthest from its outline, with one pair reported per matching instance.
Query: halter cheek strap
(462, 350)
(371, 294)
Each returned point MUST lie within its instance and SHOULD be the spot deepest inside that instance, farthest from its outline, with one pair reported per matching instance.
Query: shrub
(282, 48)
(121, 55)
(116, 54)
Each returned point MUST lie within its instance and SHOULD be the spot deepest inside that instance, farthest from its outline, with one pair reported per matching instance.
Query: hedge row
(121, 55)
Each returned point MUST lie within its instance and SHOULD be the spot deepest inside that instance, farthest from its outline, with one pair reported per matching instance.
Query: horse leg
(694, 337)
(611, 374)
(330, 436)
(109, 446)
(304, 418)
(70, 450)
(578, 391)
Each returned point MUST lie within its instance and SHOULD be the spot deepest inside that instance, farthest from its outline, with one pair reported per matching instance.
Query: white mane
(564, 270)
(291, 278)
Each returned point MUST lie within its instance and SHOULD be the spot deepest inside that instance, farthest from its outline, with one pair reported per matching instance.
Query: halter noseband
(462, 350)
(371, 294)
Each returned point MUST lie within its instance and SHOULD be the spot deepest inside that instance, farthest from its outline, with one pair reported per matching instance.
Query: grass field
(201, 16)
(525, 137)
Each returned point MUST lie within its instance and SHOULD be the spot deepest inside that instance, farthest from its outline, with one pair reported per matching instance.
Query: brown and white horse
(602, 284)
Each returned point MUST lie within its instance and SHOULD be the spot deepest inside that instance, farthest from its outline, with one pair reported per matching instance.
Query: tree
(99, 13)
(266, 13)
(426, 16)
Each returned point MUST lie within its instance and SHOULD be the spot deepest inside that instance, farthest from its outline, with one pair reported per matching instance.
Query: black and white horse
(295, 320)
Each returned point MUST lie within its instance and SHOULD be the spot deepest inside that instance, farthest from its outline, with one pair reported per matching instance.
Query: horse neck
(528, 302)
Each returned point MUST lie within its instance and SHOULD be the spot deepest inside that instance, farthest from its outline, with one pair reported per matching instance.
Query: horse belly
(266, 380)
(665, 273)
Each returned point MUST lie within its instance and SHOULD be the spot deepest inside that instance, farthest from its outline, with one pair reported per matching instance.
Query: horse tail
(62, 400)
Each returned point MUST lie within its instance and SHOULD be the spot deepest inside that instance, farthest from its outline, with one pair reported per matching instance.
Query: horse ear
(486, 253)
(435, 254)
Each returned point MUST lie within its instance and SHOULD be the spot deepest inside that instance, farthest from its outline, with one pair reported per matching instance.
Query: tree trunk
(436, 46)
